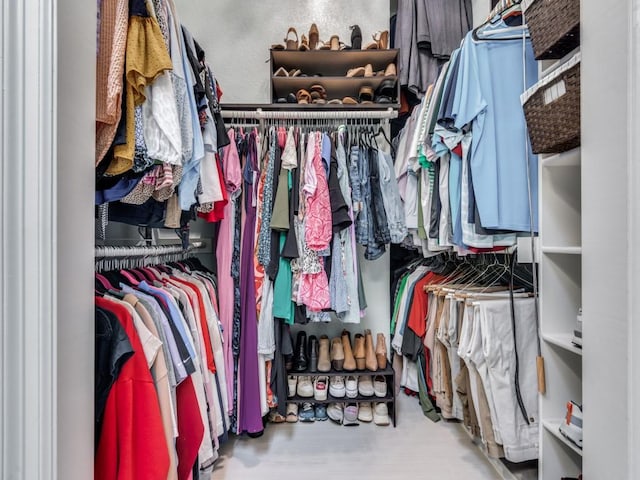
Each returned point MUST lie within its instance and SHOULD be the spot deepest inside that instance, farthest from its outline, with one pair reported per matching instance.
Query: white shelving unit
(560, 198)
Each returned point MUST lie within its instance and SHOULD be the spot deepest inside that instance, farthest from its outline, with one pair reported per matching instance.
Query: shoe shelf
(553, 427)
(345, 399)
(329, 68)
(331, 62)
(562, 340)
(337, 87)
(386, 372)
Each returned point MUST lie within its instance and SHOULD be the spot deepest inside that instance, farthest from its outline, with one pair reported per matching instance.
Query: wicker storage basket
(552, 110)
(554, 26)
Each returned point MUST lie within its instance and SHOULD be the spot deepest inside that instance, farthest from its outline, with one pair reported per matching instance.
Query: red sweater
(132, 444)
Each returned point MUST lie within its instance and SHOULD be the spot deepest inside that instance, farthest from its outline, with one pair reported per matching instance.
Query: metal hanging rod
(260, 114)
(148, 251)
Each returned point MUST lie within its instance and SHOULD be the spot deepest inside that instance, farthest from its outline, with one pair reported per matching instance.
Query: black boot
(300, 354)
(313, 354)
(356, 37)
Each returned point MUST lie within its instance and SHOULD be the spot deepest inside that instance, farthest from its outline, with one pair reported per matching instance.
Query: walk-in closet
(332, 239)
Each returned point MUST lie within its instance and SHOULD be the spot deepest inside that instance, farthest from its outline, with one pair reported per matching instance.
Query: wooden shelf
(552, 426)
(573, 250)
(331, 62)
(570, 158)
(337, 87)
(562, 340)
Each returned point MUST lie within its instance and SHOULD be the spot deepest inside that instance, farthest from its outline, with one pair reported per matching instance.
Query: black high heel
(356, 37)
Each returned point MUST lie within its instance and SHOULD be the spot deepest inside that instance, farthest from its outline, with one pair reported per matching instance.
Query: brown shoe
(324, 362)
(314, 36)
(381, 351)
(370, 355)
(337, 353)
(290, 42)
(359, 351)
(349, 360)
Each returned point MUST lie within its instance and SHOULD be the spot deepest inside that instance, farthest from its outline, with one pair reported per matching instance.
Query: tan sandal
(349, 101)
(335, 43)
(371, 46)
(390, 71)
(382, 39)
(335, 101)
(304, 43)
(356, 72)
(303, 96)
(295, 72)
(291, 43)
(368, 70)
(314, 37)
(281, 72)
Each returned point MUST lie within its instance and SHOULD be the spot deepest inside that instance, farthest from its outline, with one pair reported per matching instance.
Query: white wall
(75, 174)
(237, 35)
(605, 44)
(237, 44)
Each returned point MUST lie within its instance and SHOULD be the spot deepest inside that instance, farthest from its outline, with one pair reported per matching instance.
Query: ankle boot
(349, 360)
(359, 351)
(370, 354)
(337, 353)
(312, 351)
(324, 363)
(300, 354)
(381, 351)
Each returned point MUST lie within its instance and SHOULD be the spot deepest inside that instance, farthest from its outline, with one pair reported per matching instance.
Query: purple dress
(250, 412)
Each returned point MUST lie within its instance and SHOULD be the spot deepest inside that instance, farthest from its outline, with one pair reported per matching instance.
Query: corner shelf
(329, 68)
(552, 426)
(569, 250)
(337, 87)
(562, 340)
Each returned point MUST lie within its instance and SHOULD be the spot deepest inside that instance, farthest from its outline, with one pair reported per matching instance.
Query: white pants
(519, 437)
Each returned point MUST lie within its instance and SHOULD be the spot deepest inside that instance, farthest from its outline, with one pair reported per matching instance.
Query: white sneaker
(365, 412)
(379, 386)
(336, 386)
(335, 411)
(292, 382)
(571, 427)
(320, 387)
(351, 386)
(381, 414)
(305, 387)
(350, 415)
(365, 386)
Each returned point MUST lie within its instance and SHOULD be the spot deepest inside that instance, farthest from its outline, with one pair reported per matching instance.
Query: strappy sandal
(314, 37)
(295, 72)
(382, 39)
(281, 72)
(289, 42)
(303, 96)
(304, 43)
(366, 94)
